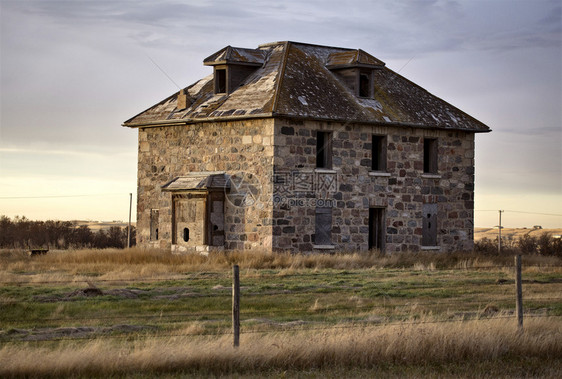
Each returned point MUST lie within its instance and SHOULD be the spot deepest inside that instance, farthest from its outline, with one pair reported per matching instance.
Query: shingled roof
(297, 80)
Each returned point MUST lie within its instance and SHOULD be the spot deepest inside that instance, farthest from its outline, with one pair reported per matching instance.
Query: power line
(525, 212)
(535, 213)
(57, 196)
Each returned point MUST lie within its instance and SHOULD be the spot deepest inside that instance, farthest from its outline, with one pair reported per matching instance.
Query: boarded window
(323, 234)
(378, 153)
(429, 225)
(364, 85)
(430, 155)
(323, 149)
(376, 228)
(154, 215)
(220, 80)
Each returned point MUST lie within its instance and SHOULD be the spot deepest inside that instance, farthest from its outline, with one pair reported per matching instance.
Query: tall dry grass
(135, 263)
(336, 348)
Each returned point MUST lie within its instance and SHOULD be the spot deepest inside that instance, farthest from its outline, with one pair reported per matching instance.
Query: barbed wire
(303, 310)
(279, 274)
(281, 329)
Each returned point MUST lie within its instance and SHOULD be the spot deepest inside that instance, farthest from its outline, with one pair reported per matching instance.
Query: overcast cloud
(72, 71)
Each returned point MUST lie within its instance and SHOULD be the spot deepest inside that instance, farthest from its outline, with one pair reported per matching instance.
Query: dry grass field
(139, 313)
(513, 233)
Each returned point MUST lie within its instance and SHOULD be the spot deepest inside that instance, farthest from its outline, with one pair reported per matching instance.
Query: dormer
(355, 69)
(232, 65)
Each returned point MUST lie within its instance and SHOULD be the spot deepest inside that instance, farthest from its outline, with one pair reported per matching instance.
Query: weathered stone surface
(168, 152)
(402, 193)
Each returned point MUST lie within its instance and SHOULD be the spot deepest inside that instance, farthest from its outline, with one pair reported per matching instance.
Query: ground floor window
(154, 216)
(429, 225)
(376, 228)
(323, 233)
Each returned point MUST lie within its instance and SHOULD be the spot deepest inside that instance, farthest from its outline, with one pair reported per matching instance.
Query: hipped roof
(199, 181)
(296, 80)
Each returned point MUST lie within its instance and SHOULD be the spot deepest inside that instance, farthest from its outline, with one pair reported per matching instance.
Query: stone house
(299, 147)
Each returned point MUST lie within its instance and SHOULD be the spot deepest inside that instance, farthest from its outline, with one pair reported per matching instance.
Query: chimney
(184, 100)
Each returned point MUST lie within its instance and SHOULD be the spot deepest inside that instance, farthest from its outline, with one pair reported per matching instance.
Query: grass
(349, 350)
(341, 315)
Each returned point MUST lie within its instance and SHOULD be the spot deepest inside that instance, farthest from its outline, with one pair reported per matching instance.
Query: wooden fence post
(236, 304)
(519, 292)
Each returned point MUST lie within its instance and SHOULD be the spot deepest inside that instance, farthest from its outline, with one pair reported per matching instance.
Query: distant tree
(82, 237)
(528, 244)
(544, 244)
(24, 233)
(115, 238)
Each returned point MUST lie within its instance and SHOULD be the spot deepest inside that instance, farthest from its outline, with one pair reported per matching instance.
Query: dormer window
(365, 84)
(232, 66)
(220, 80)
(355, 69)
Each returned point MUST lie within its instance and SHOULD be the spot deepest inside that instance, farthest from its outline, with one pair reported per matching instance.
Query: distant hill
(97, 225)
(492, 233)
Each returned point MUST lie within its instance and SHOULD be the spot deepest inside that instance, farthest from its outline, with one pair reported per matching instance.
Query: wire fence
(386, 307)
(279, 274)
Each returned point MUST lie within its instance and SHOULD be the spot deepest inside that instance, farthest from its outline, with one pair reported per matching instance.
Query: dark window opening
(364, 85)
(154, 216)
(323, 150)
(430, 155)
(323, 232)
(378, 153)
(220, 81)
(429, 225)
(185, 234)
(376, 228)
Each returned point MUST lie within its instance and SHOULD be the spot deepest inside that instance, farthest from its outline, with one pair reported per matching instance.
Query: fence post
(236, 304)
(519, 292)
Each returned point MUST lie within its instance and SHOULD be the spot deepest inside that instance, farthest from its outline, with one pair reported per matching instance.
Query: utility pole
(129, 226)
(500, 234)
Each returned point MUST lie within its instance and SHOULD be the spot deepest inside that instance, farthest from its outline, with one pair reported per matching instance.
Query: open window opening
(323, 150)
(323, 228)
(220, 80)
(378, 153)
(364, 85)
(186, 234)
(154, 216)
(376, 228)
(430, 155)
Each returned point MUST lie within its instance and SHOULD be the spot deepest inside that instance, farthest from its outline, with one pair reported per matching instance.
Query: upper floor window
(430, 155)
(220, 80)
(365, 84)
(378, 153)
(323, 150)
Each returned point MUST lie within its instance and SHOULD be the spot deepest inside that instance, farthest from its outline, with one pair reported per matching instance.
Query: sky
(71, 72)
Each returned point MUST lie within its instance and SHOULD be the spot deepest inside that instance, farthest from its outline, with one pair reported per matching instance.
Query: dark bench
(34, 252)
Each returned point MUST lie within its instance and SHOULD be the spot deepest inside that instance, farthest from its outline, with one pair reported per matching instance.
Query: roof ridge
(280, 77)
(277, 43)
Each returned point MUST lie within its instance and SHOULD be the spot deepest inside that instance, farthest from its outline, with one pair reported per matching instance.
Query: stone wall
(279, 157)
(401, 190)
(234, 147)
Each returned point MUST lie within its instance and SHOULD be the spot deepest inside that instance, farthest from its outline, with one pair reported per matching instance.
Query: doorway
(376, 228)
